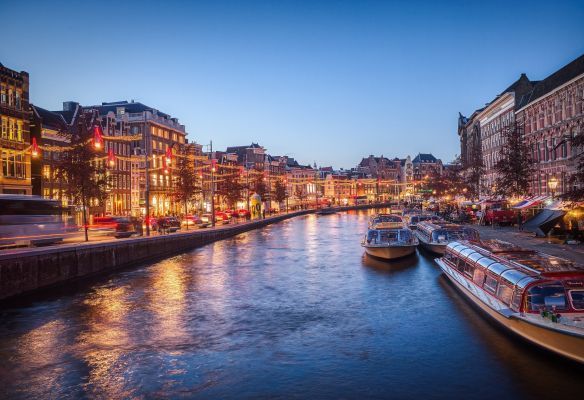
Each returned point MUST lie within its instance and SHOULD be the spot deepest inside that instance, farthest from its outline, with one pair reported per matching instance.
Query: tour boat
(385, 220)
(390, 242)
(435, 236)
(537, 296)
(415, 219)
(326, 211)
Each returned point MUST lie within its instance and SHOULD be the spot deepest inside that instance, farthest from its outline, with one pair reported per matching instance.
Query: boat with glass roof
(537, 296)
(415, 219)
(380, 221)
(435, 236)
(389, 240)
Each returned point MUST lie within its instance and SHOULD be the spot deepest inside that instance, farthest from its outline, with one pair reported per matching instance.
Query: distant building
(495, 120)
(251, 157)
(52, 130)
(15, 173)
(141, 131)
(551, 114)
(425, 165)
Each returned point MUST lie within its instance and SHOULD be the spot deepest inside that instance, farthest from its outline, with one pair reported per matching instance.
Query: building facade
(15, 154)
(551, 115)
(145, 142)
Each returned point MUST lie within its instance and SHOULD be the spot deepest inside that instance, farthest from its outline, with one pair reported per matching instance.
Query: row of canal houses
(136, 132)
(549, 113)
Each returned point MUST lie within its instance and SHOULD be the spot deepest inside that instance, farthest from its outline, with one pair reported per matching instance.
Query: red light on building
(35, 148)
(111, 158)
(97, 137)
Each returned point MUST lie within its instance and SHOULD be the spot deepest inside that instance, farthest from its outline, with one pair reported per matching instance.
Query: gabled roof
(558, 78)
(50, 119)
(424, 158)
(129, 107)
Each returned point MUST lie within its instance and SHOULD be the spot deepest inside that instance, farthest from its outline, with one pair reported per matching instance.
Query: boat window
(517, 296)
(577, 298)
(468, 269)
(371, 236)
(478, 276)
(504, 293)
(490, 284)
(405, 236)
(551, 296)
(387, 236)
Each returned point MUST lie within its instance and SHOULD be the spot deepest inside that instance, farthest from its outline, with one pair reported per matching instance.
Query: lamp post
(553, 184)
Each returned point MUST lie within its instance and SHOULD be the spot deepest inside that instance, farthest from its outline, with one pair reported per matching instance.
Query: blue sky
(324, 81)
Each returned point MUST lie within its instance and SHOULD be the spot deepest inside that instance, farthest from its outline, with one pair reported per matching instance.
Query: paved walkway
(528, 240)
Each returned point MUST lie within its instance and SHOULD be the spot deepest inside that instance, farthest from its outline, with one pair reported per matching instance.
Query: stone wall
(25, 271)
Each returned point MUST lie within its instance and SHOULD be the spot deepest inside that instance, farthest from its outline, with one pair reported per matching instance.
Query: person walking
(520, 220)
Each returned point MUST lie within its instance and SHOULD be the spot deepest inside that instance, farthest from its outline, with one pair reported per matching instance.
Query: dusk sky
(328, 81)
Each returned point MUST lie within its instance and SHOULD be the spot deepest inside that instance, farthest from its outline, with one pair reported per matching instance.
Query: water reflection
(389, 266)
(295, 310)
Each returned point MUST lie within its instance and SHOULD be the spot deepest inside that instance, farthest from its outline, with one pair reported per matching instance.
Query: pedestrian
(520, 220)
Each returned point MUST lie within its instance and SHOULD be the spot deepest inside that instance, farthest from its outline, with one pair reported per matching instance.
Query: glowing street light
(553, 185)
(97, 137)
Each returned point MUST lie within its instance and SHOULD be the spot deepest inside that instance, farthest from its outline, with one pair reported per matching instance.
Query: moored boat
(435, 236)
(537, 296)
(380, 221)
(389, 243)
(415, 219)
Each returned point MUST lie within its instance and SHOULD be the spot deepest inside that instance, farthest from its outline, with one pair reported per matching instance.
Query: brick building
(551, 114)
(15, 155)
(494, 121)
(136, 131)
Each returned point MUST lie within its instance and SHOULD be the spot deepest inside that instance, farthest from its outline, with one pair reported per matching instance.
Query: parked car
(206, 218)
(243, 213)
(169, 224)
(119, 227)
(221, 217)
(499, 212)
(191, 220)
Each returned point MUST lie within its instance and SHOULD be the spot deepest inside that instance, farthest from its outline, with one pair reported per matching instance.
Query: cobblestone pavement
(526, 239)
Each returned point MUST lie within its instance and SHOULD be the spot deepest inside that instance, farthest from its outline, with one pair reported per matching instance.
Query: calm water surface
(291, 311)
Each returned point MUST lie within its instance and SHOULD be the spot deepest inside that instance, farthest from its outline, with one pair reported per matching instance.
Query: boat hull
(390, 252)
(433, 247)
(562, 343)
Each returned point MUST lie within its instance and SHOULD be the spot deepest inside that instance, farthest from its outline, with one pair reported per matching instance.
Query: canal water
(294, 310)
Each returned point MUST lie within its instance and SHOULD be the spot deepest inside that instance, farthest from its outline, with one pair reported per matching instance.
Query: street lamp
(553, 184)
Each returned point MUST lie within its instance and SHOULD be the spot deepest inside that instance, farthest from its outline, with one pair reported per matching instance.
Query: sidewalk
(528, 240)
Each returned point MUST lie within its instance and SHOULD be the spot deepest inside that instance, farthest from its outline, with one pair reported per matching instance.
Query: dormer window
(120, 110)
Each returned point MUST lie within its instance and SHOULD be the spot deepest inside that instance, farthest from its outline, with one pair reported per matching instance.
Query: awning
(531, 202)
(543, 222)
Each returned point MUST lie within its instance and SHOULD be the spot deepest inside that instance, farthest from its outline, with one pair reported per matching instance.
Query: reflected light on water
(103, 342)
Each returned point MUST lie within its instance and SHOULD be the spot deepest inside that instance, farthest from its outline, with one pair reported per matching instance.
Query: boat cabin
(442, 233)
(386, 220)
(385, 236)
(526, 281)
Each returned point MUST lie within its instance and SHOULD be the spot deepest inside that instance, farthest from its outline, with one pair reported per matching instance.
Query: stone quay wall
(24, 272)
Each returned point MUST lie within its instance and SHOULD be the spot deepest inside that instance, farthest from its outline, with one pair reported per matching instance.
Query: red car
(499, 213)
(243, 213)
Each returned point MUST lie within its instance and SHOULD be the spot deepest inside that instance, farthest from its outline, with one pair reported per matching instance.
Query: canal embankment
(29, 270)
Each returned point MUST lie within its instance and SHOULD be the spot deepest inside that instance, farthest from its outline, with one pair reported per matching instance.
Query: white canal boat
(389, 242)
(534, 295)
(435, 236)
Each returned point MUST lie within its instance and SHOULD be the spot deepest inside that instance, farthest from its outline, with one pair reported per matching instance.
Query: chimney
(70, 105)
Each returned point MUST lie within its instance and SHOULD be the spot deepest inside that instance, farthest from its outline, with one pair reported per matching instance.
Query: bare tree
(79, 166)
(514, 167)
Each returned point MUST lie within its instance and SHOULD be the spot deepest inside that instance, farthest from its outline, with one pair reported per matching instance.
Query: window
(546, 151)
(18, 97)
(550, 296)
(3, 98)
(19, 131)
(490, 284)
(504, 293)
(4, 128)
(577, 299)
(468, 270)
